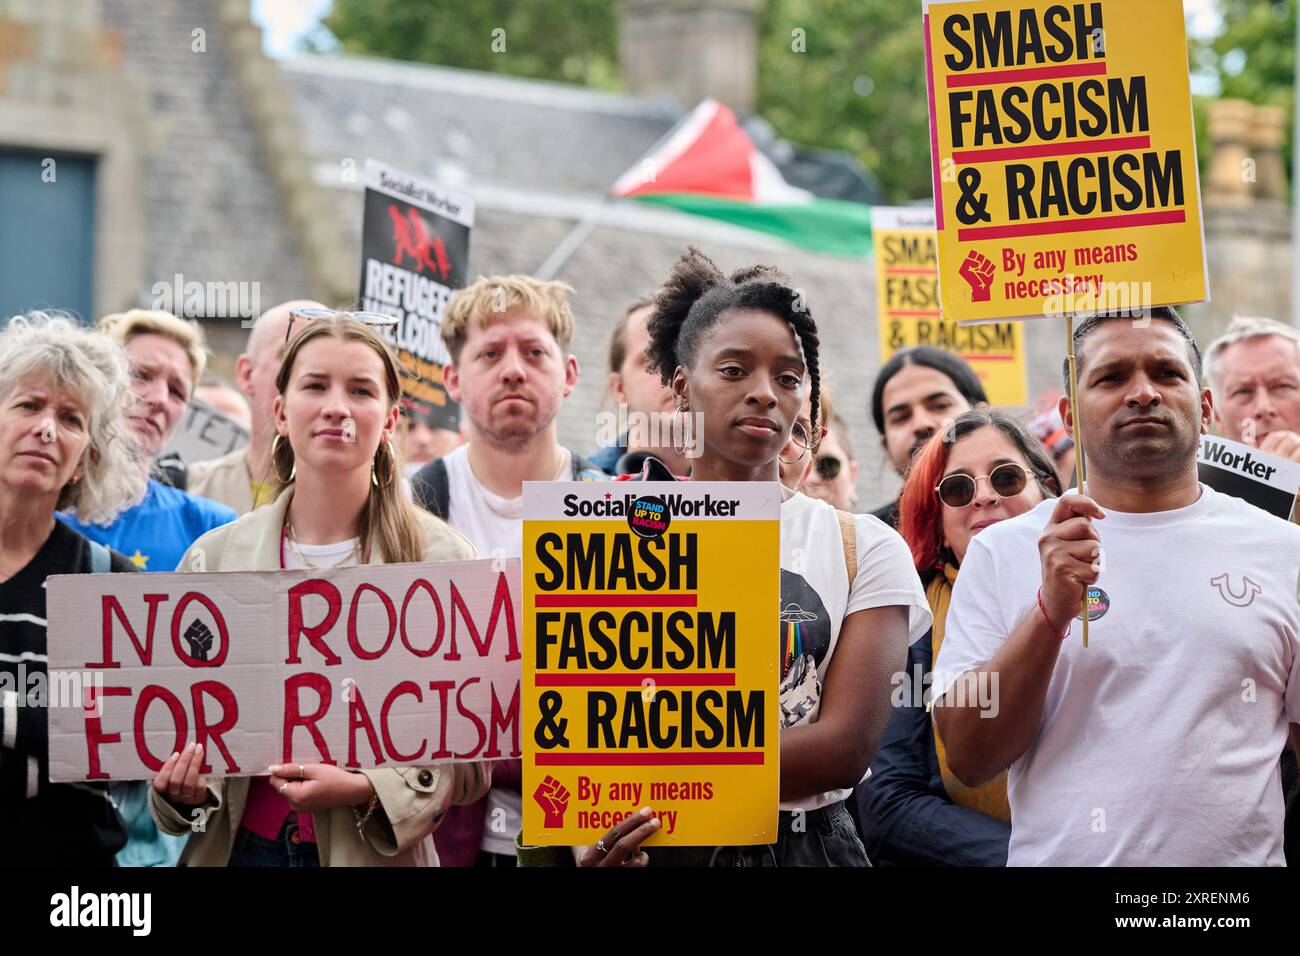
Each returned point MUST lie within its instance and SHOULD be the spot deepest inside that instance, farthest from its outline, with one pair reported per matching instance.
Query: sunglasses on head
(828, 467)
(1007, 480)
(377, 319)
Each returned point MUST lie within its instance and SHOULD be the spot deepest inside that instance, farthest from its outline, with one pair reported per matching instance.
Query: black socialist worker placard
(414, 255)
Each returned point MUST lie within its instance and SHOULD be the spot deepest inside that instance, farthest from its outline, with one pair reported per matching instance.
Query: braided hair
(695, 297)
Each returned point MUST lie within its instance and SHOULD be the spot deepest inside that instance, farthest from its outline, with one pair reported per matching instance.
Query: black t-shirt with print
(44, 824)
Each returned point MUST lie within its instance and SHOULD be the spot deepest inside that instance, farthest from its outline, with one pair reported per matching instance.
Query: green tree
(850, 74)
(575, 41)
(1252, 57)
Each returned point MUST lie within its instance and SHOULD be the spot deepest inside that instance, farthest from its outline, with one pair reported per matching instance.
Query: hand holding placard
(1068, 550)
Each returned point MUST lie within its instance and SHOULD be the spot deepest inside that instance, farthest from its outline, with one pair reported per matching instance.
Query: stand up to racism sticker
(651, 660)
(1064, 156)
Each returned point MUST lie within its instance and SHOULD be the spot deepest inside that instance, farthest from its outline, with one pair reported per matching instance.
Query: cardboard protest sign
(205, 434)
(907, 290)
(651, 660)
(1064, 157)
(373, 666)
(1264, 480)
(414, 254)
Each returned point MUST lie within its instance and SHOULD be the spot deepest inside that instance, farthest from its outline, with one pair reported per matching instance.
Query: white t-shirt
(341, 554)
(815, 599)
(1159, 742)
(495, 526)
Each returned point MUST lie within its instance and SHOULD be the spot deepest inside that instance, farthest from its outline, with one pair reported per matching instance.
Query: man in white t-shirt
(1158, 743)
(510, 369)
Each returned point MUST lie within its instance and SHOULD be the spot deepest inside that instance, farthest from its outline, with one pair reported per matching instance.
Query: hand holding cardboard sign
(179, 779)
(621, 846)
(1068, 549)
(319, 786)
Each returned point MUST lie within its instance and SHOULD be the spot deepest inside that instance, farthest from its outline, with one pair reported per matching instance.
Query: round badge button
(1098, 604)
(648, 517)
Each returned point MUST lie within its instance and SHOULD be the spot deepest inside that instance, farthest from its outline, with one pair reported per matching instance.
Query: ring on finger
(302, 774)
(283, 788)
(600, 845)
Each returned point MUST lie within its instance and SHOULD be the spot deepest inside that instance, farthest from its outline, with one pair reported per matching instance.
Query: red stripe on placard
(634, 680)
(1038, 151)
(913, 312)
(998, 77)
(898, 270)
(615, 600)
(1071, 225)
(724, 758)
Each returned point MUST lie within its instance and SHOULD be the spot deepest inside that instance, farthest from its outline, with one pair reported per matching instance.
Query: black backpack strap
(431, 489)
(171, 470)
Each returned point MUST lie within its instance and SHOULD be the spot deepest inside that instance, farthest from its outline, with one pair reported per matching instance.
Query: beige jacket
(225, 479)
(413, 799)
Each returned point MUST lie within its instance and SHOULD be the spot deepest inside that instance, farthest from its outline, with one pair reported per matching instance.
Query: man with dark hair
(916, 391)
(1192, 672)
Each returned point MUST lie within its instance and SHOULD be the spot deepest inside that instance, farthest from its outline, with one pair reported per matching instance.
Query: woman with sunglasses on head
(983, 468)
(741, 355)
(339, 504)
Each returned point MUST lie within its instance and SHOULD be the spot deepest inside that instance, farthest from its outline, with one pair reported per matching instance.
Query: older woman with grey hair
(64, 398)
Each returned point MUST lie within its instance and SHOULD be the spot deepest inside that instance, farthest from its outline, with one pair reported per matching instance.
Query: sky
(284, 22)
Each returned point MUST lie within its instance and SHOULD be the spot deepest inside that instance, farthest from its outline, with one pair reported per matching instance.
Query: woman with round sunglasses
(984, 468)
(742, 354)
(339, 504)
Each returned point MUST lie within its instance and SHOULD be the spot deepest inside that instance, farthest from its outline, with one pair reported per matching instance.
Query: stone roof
(214, 211)
(442, 122)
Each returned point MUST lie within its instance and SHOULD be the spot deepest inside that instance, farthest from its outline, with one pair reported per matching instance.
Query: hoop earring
(677, 417)
(806, 445)
(392, 466)
(275, 467)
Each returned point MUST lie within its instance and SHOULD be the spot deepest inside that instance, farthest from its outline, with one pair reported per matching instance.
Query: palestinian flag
(708, 166)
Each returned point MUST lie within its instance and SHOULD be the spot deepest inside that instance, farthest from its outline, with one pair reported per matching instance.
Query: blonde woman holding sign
(340, 504)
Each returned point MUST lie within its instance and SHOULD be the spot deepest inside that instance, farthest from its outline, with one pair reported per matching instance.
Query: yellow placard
(651, 661)
(907, 292)
(1064, 157)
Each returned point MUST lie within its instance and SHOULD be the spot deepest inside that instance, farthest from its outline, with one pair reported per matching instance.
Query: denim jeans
(288, 850)
(822, 837)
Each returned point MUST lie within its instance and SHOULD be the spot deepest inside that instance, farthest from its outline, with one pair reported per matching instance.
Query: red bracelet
(1042, 610)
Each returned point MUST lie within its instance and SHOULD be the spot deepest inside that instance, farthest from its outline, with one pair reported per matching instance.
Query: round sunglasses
(1007, 480)
(374, 319)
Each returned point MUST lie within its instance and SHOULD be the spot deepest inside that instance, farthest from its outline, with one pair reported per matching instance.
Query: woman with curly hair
(741, 353)
(64, 444)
